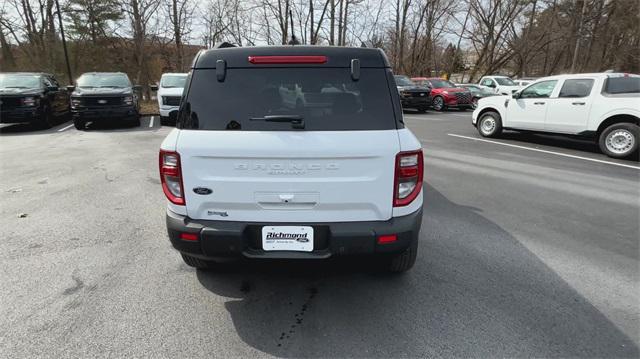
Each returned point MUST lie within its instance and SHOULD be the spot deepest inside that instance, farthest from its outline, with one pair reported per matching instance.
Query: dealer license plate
(287, 238)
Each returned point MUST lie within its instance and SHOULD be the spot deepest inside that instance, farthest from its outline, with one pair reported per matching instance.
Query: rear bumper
(220, 239)
(89, 113)
(20, 115)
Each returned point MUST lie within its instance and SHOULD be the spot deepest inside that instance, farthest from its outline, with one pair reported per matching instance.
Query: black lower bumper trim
(220, 239)
(105, 113)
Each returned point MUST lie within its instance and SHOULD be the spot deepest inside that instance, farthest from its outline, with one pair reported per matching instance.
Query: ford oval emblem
(202, 191)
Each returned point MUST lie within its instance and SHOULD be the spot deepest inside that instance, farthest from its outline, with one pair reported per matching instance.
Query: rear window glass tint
(327, 99)
(619, 85)
(576, 88)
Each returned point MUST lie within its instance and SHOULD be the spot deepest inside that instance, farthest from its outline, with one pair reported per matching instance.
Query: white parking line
(151, 122)
(545, 151)
(65, 128)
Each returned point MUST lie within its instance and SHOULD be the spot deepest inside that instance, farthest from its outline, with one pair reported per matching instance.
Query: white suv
(169, 95)
(500, 85)
(601, 106)
(247, 173)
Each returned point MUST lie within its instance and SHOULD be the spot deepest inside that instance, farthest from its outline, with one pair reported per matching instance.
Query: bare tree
(492, 20)
(140, 13)
(180, 16)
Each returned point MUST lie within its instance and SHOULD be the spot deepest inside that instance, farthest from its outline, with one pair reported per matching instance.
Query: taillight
(297, 59)
(408, 177)
(171, 177)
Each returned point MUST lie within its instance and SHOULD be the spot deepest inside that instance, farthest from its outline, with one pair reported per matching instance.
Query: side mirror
(516, 95)
(492, 85)
(71, 88)
(154, 87)
(137, 88)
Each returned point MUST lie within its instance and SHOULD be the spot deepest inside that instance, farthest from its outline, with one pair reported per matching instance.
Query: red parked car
(445, 94)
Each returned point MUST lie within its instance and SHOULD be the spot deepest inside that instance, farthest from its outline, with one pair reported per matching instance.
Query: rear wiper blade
(297, 121)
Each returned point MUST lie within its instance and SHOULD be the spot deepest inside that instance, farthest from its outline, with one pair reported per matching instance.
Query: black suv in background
(413, 95)
(104, 96)
(35, 98)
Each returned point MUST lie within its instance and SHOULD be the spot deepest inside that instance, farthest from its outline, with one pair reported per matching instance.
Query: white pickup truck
(602, 106)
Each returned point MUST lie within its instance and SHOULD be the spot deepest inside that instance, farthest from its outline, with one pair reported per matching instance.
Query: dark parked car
(34, 98)
(104, 97)
(413, 95)
(477, 92)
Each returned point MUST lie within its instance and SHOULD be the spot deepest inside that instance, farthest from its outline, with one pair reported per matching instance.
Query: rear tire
(619, 140)
(135, 122)
(196, 262)
(489, 124)
(403, 261)
(45, 119)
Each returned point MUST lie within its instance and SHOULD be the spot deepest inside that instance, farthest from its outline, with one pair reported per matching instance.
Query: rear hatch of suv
(295, 139)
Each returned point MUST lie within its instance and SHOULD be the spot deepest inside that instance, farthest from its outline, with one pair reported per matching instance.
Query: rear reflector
(387, 239)
(273, 60)
(189, 236)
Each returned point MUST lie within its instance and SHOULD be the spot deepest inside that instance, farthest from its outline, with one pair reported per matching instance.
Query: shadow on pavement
(118, 125)
(474, 292)
(30, 129)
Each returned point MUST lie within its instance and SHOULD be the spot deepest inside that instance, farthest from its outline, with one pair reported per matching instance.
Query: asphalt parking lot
(529, 248)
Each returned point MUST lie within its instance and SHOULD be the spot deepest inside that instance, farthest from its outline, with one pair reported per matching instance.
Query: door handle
(578, 103)
(538, 103)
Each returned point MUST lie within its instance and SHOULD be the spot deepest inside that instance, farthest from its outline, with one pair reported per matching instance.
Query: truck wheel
(79, 124)
(45, 119)
(196, 262)
(404, 261)
(490, 124)
(135, 121)
(619, 140)
(438, 103)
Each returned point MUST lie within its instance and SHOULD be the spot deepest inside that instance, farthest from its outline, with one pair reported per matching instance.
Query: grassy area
(149, 107)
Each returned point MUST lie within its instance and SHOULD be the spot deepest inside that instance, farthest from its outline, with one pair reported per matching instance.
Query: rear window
(326, 99)
(620, 85)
